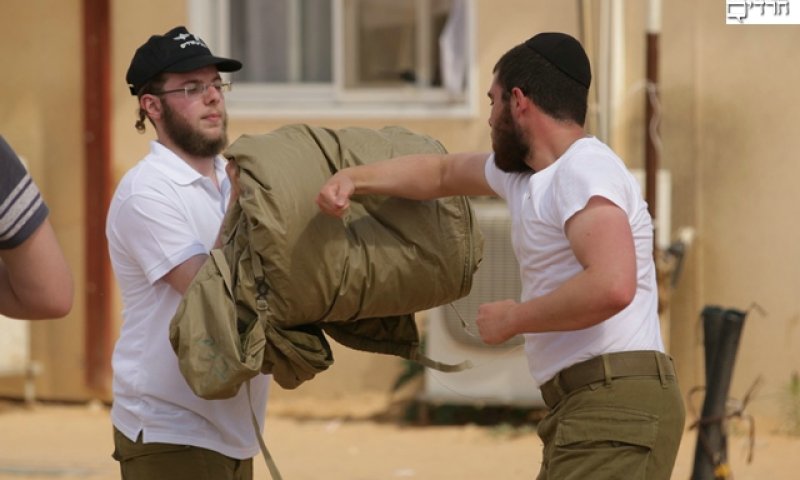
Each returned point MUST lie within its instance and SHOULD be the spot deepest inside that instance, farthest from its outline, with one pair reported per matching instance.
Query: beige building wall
(727, 96)
(735, 149)
(41, 118)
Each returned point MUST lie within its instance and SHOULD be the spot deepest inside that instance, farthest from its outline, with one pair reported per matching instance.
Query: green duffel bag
(287, 275)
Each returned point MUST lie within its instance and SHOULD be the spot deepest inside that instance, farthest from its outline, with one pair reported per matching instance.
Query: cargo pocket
(603, 443)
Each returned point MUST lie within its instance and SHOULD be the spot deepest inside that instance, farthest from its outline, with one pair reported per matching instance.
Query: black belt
(641, 363)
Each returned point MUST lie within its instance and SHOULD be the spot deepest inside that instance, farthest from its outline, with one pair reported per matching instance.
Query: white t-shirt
(540, 205)
(162, 213)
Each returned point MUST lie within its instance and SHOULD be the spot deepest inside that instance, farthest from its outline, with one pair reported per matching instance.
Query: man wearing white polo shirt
(164, 218)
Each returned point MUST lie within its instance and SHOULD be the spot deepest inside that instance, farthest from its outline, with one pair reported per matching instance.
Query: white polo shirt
(162, 213)
(540, 205)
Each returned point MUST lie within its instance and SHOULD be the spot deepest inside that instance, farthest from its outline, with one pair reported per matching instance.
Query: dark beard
(510, 148)
(191, 140)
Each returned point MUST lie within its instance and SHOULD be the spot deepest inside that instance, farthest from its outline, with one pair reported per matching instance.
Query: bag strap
(225, 271)
(273, 468)
(426, 361)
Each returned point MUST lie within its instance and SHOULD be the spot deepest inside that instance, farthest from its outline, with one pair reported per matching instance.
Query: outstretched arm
(418, 177)
(35, 280)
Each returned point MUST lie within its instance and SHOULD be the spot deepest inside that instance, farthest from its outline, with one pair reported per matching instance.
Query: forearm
(35, 280)
(422, 176)
(584, 301)
(416, 177)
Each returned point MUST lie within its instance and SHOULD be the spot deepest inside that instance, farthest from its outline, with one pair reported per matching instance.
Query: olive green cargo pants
(625, 428)
(162, 461)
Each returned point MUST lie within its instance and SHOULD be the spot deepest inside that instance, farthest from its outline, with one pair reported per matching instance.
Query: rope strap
(273, 468)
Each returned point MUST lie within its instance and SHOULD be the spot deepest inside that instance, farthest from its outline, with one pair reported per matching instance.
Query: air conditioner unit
(499, 375)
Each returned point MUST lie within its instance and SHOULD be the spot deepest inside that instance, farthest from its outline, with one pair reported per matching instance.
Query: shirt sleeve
(498, 180)
(584, 177)
(22, 209)
(156, 233)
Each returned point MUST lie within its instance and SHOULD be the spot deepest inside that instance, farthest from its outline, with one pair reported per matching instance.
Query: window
(281, 41)
(340, 57)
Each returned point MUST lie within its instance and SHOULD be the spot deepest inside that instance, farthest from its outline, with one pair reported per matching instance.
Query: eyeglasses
(197, 89)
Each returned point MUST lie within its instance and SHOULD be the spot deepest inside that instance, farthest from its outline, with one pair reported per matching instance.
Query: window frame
(209, 19)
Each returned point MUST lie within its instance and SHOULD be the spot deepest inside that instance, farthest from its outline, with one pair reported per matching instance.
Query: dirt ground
(66, 442)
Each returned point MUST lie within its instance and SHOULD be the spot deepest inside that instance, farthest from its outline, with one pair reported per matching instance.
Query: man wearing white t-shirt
(583, 237)
(164, 218)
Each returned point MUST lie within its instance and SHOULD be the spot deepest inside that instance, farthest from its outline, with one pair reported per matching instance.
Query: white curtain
(276, 46)
(454, 48)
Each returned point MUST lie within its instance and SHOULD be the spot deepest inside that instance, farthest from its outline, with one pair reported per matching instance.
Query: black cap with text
(176, 51)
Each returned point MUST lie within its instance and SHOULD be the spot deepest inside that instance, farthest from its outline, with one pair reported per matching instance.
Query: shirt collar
(176, 169)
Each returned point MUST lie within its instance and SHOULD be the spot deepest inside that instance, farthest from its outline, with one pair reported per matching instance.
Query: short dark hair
(558, 95)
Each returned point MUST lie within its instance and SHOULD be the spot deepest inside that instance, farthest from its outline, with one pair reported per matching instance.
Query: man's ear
(519, 101)
(151, 104)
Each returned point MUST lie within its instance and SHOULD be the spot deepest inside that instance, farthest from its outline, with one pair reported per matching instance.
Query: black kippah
(565, 53)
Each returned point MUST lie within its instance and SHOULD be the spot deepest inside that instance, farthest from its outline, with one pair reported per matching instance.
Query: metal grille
(497, 277)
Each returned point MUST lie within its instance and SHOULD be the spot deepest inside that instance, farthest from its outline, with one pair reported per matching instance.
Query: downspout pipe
(97, 174)
(651, 159)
